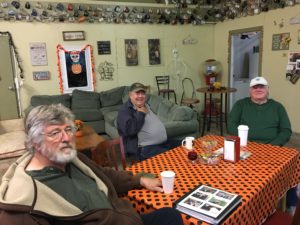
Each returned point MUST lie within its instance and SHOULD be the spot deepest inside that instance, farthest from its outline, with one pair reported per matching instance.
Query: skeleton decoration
(76, 66)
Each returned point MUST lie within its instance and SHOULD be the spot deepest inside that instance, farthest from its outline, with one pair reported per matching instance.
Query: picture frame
(76, 68)
(73, 35)
(131, 52)
(280, 41)
(41, 75)
(154, 51)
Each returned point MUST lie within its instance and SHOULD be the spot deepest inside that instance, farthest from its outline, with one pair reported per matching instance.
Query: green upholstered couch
(100, 110)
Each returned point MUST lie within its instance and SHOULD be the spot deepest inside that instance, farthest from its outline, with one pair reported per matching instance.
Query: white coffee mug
(188, 143)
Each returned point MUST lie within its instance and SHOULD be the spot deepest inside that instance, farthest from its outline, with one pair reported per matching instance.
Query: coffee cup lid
(243, 127)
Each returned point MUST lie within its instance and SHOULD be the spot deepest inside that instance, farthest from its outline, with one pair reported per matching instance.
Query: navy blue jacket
(129, 123)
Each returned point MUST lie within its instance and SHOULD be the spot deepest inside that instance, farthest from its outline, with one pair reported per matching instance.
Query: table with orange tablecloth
(261, 180)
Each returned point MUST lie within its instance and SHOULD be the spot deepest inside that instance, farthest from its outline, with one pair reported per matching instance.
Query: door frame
(16, 76)
(236, 32)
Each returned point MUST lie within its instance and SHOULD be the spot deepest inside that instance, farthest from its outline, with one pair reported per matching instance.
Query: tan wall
(170, 36)
(273, 62)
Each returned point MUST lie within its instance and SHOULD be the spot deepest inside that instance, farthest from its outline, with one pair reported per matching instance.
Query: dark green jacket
(268, 123)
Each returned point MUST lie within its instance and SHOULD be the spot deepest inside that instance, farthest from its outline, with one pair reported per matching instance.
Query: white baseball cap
(258, 80)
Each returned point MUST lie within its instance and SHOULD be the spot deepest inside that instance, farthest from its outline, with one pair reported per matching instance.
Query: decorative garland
(76, 68)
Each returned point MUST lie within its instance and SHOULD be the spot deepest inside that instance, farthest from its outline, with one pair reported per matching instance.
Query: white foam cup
(167, 178)
(243, 134)
(188, 142)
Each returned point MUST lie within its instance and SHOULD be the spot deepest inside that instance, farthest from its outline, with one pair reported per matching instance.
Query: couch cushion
(11, 125)
(181, 113)
(154, 102)
(109, 109)
(186, 127)
(163, 109)
(12, 144)
(85, 100)
(111, 117)
(64, 99)
(125, 96)
(112, 96)
(88, 114)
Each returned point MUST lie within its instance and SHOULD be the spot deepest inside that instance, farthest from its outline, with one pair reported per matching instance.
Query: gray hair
(42, 116)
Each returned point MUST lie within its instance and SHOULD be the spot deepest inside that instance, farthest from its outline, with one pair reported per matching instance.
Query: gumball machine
(211, 71)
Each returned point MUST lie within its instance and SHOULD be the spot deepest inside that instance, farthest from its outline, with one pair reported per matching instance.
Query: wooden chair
(105, 153)
(163, 86)
(185, 100)
(284, 218)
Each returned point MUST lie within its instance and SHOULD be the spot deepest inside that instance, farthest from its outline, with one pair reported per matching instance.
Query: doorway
(8, 92)
(245, 54)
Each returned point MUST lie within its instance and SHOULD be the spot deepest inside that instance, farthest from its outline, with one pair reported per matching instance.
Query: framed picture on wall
(154, 51)
(73, 35)
(131, 52)
(75, 66)
(281, 41)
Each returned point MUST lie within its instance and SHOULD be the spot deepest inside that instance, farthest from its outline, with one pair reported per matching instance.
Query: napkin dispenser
(232, 149)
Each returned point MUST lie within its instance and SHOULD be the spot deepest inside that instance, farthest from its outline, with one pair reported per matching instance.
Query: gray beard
(58, 157)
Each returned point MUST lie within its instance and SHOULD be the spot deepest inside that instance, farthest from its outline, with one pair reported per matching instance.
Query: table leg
(210, 111)
(221, 112)
(204, 116)
(225, 111)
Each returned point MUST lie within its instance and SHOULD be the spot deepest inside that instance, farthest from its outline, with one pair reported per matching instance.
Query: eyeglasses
(57, 134)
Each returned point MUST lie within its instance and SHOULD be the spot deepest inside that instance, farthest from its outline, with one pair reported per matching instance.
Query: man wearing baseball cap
(266, 118)
(144, 135)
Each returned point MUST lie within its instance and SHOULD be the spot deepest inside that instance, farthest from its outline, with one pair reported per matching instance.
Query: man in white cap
(267, 119)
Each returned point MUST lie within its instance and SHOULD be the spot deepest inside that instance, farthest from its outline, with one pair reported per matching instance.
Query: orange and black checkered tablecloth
(261, 180)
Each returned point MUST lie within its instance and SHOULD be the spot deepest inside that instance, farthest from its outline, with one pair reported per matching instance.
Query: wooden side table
(89, 139)
(226, 91)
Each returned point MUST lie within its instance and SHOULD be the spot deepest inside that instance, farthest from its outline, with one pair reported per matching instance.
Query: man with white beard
(53, 184)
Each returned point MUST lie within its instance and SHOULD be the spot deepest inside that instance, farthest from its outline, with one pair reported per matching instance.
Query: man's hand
(152, 184)
(143, 109)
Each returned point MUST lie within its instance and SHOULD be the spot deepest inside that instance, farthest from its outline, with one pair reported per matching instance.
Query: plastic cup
(243, 134)
(167, 178)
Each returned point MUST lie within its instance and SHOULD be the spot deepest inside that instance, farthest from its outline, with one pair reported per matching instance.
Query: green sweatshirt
(268, 123)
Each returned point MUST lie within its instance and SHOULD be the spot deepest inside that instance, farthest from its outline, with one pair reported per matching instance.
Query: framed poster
(38, 54)
(75, 65)
(281, 41)
(154, 51)
(131, 52)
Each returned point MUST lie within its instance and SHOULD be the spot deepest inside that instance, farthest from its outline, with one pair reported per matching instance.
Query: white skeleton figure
(75, 56)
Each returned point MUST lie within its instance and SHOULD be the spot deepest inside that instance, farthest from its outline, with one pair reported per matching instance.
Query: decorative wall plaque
(103, 47)
(41, 75)
(281, 41)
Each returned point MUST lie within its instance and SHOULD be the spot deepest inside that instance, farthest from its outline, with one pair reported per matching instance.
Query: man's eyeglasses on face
(57, 134)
